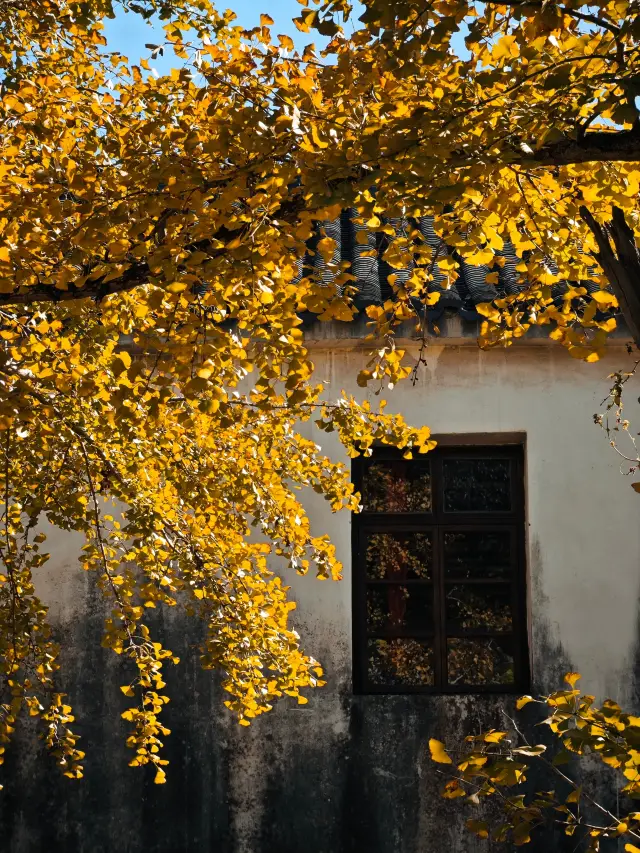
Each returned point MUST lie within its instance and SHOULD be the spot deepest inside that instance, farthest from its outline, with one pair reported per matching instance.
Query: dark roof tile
(372, 272)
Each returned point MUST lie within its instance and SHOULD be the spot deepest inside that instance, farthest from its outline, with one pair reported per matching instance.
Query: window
(438, 565)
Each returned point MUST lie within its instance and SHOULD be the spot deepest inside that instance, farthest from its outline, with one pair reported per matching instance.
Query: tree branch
(581, 16)
(595, 147)
(138, 272)
(623, 271)
(136, 275)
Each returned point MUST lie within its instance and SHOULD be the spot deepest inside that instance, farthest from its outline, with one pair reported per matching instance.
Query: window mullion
(436, 485)
(359, 593)
(439, 641)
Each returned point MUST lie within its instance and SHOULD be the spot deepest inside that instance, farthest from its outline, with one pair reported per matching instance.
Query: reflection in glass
(395, 607)
(477, 485)
(398, 556)
(400, 663)
(482, 607)
(481, 660)
(397, 486)
(477, 555)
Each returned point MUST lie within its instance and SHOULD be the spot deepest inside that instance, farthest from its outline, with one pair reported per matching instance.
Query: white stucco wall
(583, 539)
(347, 773)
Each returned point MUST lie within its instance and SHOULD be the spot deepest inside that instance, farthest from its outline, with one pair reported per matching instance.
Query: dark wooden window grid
(437, 522)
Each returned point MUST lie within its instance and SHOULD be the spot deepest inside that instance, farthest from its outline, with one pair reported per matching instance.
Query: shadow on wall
(343, 774)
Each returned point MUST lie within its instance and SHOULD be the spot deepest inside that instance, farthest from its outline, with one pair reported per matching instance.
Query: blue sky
(128, 33)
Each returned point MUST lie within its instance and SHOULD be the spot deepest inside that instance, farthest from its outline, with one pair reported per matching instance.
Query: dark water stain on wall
(343, 774)
(635, 666)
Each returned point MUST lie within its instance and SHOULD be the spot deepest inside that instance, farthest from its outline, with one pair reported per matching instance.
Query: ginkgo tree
(505, 765)
(153, 372)
(528, 138)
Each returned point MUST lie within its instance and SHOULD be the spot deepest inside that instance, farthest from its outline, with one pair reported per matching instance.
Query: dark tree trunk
(620, 263)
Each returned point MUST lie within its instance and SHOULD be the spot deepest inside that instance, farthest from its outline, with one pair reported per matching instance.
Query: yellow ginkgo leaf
(438, 752)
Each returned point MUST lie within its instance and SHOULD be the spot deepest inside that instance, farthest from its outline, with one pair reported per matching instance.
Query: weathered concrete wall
(348, 774)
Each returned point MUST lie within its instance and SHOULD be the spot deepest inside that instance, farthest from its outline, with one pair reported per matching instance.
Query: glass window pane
(477, 554)
(400, 663)
(482, 607)
(477, 485)
(398, 556)
(481, 660)
(391, 607)
(397, 486)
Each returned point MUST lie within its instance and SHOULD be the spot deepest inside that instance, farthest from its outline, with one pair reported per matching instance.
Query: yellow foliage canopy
(151, 232)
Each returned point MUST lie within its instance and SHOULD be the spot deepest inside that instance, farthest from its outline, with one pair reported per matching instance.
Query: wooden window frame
(439, 522)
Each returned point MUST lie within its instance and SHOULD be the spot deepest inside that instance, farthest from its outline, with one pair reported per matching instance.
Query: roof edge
(450, 330)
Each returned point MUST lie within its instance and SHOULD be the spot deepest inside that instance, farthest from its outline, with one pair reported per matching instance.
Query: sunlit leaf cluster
(504, 765)
(155, 236)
